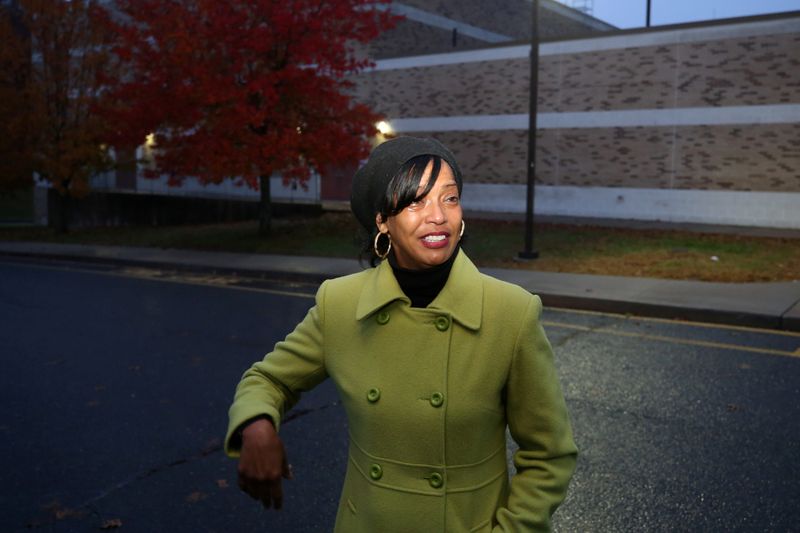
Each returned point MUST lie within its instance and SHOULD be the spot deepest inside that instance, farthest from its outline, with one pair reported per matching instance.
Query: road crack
(56, 512)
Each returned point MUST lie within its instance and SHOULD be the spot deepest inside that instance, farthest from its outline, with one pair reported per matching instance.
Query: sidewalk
(763, 305)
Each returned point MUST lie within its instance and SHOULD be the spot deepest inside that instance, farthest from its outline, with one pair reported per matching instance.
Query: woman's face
(426, 233)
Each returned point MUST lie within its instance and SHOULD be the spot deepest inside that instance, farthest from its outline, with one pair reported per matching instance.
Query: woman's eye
(451, 199)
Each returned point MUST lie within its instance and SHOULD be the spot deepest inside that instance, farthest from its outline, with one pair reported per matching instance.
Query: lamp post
(649, 2)
(529, 252)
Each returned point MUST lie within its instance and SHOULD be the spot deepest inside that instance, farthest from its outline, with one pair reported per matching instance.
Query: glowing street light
(384, 127)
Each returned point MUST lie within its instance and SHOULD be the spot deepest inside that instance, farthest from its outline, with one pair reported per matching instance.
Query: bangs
(404, 187)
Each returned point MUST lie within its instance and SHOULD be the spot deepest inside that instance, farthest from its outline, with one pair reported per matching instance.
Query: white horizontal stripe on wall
(453, 58)
(594, 44)
(686, 116)
(674, 36)
(460, 123)
(438, 21)
(736, 208)
(229, 190)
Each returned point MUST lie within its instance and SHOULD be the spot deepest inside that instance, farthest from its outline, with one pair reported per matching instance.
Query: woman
(432, 361)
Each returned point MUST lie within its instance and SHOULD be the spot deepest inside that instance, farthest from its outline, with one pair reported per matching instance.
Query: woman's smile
(425, 233)
(436, 240)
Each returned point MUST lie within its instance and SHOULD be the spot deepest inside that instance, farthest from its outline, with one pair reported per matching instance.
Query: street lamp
(384, 127)
(529, 253)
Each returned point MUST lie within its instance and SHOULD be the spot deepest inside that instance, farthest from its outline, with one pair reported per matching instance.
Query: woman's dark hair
(400, 193)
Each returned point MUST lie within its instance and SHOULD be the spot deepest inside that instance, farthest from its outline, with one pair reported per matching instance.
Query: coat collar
(461, 296)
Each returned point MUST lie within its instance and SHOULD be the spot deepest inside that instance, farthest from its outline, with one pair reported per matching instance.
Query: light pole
(529, 252)
(649, 2)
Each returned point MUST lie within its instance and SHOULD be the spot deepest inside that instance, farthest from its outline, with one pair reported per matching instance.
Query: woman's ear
(382, 227)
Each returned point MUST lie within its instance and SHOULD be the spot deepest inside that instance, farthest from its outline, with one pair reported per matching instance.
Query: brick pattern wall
(750, 70)
(488, 156)
(479, 88)
(747, 71)
(744, 71)
(741, 158)
(750, 158)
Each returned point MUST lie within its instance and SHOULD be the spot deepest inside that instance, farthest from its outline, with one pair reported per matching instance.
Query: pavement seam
(611, 330)
(578, 331)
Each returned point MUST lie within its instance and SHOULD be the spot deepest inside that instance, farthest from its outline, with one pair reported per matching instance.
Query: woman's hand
(262, 463)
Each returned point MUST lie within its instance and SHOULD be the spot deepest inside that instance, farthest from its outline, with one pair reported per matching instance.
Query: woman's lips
(435, 240)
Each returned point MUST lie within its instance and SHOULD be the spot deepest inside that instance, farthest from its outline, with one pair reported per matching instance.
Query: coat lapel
(461, 297)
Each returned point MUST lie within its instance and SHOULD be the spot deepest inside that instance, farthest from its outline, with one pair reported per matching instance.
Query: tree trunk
(60, 221)
(264, 208)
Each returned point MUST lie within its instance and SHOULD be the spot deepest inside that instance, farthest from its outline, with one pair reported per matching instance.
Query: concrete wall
(429, 25)
(690, 123)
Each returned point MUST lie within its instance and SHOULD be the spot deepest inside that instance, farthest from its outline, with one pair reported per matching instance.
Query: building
(687, 123)
(451, 26)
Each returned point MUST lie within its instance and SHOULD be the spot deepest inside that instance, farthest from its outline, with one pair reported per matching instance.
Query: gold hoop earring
(462, 229)
(388, 248)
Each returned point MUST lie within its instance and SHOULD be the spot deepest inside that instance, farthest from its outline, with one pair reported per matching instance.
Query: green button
(442, 323)
(383, 317)
(436, 480)
(373, 395)
(437, 399)
(375, 472)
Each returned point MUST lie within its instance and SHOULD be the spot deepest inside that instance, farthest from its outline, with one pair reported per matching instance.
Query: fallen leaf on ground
(60, 512)
(114, 523)
(196, 497)
(222, 483)
(211, 446)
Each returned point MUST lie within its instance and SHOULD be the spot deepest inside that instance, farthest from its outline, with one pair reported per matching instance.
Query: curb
(671, 312)
(566, 291)
(260, 273)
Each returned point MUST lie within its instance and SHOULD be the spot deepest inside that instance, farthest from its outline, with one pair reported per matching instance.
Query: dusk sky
(631, 13)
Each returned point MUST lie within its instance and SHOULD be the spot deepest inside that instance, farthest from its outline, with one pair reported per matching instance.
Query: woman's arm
(272, 386)
(267, 390)
(539, 423)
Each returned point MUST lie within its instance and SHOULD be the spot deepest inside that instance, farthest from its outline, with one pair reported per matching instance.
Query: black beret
(371, 180)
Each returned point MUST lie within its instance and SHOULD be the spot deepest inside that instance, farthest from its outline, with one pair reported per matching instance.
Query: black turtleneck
(422, 286)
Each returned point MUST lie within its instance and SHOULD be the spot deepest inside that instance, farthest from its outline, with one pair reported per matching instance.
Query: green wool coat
(428, 395)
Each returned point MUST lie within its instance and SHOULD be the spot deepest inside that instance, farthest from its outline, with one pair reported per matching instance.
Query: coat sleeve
(272, 386)
(539, 423)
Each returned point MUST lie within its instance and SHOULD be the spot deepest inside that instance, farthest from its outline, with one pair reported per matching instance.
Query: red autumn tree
(243, 89)
(51, 56)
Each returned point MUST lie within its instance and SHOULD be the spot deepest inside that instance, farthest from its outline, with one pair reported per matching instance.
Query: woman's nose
(435, 212)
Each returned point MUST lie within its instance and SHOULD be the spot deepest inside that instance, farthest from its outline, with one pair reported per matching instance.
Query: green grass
(562, 248)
